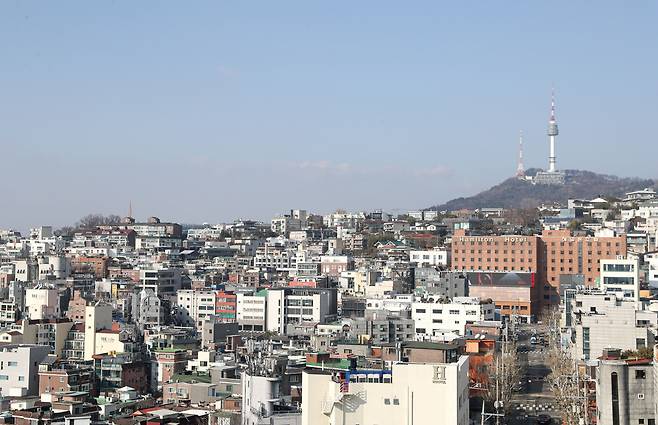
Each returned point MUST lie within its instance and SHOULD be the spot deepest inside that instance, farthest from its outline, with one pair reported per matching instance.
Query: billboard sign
(505, 279)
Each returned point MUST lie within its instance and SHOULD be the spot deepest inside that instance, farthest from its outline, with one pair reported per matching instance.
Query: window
(396, 401)
(387, 401)
(420, 310)
(640, 374)
(614, 393)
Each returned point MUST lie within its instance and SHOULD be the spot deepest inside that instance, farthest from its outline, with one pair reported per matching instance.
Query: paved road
(535, 398)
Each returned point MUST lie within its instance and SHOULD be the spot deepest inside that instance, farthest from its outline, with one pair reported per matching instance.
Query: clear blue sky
(208, 111)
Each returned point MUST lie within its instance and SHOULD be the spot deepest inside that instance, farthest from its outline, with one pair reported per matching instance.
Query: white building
(42, 302)
(621, 276)
(43, 241)
(164, 281)
(652, 260)
(275, 255)
(397, 305)
(19, 375)
(598, 321)
(284, 224)
(295, 305)
(437, 257)
(251, 311)
(433, 319)
(343, 219)
(409, 393)
(195, 306)
(99, 336)
(263, 402)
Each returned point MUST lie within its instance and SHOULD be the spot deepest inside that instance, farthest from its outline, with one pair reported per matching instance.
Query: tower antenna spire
(520, 169)
(552, 104)
(552, 132)
(130, 208)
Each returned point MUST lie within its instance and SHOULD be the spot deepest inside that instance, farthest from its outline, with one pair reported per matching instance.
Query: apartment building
(42, 302)
(64, 377)
(195, 306)
(93, 265)
(251, 311)
(20, 366)
(599, 320)
(624, 390)
(434, 318)
(274, 255)
(436, 257)
(295, 305)
(434, 281)
(263, 401)
(622, 277)
(295, 221)
(408, 392)
(164, 281)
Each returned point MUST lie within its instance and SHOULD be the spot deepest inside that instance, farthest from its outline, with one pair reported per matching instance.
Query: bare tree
(93, 220)
(503, 377)
(565, 379)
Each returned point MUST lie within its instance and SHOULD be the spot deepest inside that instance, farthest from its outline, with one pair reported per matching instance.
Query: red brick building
(57, 378)
(95, 265)
(556, 257)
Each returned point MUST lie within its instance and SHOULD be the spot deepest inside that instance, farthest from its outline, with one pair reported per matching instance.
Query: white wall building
(164, 281)
(433, 319)
(295, 305)
(97, 317)
(42, 302)
(621, 276)
(598, 321)
(19, 375)
(652, 261)
(261, 396)
(437, 257)
(195, 306)
(410, 393)
(251, 311)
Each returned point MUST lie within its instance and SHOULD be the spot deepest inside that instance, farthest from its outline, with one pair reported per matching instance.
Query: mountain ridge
(517, 193)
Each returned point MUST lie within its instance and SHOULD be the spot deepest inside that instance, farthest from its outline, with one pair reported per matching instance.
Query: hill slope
(515, 193)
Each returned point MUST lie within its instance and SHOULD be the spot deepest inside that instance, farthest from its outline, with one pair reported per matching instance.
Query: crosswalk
(534, 407)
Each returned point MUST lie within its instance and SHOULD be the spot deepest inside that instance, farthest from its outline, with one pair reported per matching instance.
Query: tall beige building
(99, 337)
(410, 393)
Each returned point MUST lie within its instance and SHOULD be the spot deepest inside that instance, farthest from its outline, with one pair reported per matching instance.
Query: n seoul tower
(552, 132)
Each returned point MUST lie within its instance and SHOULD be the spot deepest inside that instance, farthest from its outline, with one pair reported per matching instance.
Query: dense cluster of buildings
(311, 319)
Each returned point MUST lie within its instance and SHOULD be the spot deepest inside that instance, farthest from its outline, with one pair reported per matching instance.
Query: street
(535, 397)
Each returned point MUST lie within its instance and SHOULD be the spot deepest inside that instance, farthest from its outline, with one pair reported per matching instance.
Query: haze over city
(222, 110)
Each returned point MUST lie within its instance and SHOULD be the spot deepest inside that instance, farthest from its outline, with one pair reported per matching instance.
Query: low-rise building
(598, 320)
(624, 390)
(433, 318)
(408, 390)
(19, 375)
